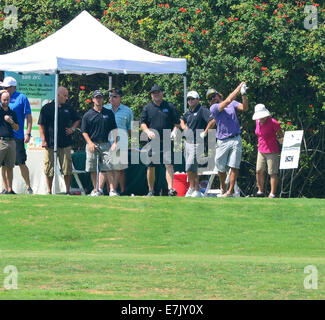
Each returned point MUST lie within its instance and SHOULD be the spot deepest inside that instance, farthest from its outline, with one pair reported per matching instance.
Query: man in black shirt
(98, 124)
(196, 118)
(8, 123)
(159, 115)
(68, 121)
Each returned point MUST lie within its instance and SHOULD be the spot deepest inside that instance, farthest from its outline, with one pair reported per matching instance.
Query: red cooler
(181, 184)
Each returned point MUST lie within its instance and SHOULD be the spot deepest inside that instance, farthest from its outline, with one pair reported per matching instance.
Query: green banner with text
(39, 89)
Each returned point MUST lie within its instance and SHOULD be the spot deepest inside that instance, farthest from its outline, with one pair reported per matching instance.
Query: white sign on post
(291, 149)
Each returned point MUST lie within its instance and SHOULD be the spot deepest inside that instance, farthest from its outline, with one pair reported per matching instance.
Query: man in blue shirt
(123, 118)
(20, 105)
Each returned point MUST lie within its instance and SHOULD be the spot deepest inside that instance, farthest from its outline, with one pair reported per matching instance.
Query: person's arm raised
(230, 98)
(243, 106)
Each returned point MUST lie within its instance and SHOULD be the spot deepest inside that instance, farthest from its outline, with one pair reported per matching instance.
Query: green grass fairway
(161, 248)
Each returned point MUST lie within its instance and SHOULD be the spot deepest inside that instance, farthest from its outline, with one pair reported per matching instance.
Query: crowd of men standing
(106, 130)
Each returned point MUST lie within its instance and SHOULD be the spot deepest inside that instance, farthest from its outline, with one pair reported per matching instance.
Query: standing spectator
(159, 115)
(123, 118)
(196, 118)
(8, 123)
(229, 145)
(68, 121)
(268, 131)
(97, 125)
(20, 105)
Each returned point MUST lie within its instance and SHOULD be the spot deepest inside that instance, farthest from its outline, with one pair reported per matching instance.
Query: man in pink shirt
(268, 132)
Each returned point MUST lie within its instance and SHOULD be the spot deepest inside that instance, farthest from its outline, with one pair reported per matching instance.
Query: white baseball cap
(9, 82)
(260, 112)
(193, 94)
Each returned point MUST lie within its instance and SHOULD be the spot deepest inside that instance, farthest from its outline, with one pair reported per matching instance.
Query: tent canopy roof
(85, 46)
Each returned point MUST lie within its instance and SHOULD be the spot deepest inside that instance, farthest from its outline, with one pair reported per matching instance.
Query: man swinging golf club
(229, 145)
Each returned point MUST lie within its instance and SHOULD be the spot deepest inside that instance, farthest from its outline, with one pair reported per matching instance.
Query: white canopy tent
(85, 46)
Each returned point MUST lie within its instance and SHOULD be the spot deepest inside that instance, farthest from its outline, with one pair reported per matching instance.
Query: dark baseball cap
(211, 92)
(155, 88)
(97, 93)
(117, 91)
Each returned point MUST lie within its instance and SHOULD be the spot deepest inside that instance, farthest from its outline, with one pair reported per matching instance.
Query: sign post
(290, 154)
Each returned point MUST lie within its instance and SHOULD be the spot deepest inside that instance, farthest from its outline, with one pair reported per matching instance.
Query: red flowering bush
(263, 43)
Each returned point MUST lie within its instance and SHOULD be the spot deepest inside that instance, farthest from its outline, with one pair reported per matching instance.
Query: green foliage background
(224, 42)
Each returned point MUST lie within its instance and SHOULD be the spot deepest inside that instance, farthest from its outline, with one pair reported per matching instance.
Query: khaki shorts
(119, 159)
(7, 153)
(272, 161)
(65, 160)
(104, 158)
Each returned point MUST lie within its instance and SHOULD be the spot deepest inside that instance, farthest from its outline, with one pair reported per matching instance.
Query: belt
(234, 136)
(101, 141)
(6, 138)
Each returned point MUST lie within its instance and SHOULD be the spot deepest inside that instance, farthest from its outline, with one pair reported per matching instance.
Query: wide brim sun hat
(260, 112)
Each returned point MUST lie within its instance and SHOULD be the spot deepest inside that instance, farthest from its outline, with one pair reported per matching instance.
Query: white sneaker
(100, 192)
(197, 194)
(93, 193)
(113, 193)
(96, 193)
(189, 192)
(227, 195)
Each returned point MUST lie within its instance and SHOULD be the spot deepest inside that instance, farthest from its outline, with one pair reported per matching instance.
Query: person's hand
(69, 131)
(44, 144)
(173, 135)
(26, 138)
(8, 119)
(150, 134)
(243, 89)
(203, 135)
(114, 146)
(91, 147)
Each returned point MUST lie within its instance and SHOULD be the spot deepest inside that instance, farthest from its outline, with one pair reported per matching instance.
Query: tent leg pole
(55, 131)
(110, 82)
(185, 93)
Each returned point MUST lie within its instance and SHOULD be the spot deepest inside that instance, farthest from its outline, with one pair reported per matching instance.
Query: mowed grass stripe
(9, 254)
(161, 248)
(292, 227)
(146, 277)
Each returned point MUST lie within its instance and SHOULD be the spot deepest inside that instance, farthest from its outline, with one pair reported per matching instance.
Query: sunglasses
(113, 96)
(190, 99)
(212, 97)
